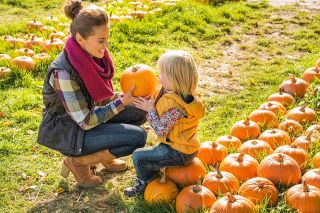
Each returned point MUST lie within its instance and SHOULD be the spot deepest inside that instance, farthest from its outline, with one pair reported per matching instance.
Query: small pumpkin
(275, 107)
(5, 57)
(220, 182)
(245, 130)
(57, 34)
(302, 114)
(25, 51)
(51, 18)
(188, 174)
(194, 198)
(138, 14)
(229, 141)
(255, 148)
(298, 154)
(295, 86)
(281, 97)
(4, 72)
(53, 43)
(258, 189)
(41, 56)
(304, 198)
(24, 62)
(292, 127)
(316, 160)
(310, 74)
(142, 77)
(211, 152)
(236, 163)
(265, 118)
(15, 41)
(34, 24)
(48, 28)
(33, 42)
(315, 127)
(275, 137)
(233, 203)
(161, 190)
(115, 19)
(304, 141)
(280, 169)
(312, 177)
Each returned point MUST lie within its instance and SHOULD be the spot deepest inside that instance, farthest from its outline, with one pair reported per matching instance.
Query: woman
(83, 118)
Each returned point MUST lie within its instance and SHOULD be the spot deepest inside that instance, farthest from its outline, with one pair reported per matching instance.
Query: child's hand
(144, 104)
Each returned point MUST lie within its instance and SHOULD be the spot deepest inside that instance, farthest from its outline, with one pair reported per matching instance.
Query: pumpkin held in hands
(142, 77)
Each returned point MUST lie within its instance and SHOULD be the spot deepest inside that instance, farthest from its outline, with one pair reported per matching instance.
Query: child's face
(96, 43)
(165, 82)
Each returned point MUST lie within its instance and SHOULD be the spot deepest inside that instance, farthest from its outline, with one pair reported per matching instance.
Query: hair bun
(72, 8)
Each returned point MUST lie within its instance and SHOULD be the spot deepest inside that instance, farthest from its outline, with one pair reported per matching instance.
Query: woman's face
(96, 43)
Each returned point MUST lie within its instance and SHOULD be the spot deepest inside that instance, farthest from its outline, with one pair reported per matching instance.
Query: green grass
(262, 62)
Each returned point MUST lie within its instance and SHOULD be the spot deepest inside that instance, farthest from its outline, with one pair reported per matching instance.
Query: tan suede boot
(80, 168)
(110, 162)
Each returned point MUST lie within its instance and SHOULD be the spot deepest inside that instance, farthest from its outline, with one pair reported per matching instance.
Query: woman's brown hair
(84, 19)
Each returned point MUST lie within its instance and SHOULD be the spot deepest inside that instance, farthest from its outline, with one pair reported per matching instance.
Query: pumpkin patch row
(267, 154)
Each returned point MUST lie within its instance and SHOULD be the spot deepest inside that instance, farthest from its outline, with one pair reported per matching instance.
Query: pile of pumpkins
(241, 182)
(25, 46)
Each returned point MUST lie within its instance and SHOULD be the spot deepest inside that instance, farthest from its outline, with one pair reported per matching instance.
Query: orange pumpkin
(53, 43)
(303, 141)
(33, 42)
(48, 28)
(229, 141)
(188, 174)
(312, 177)
(265, 118)
(315, 127)
(304, 198)
(316, 160)
(24, 62)
(237, 163)
(211, 152)
(25, 51)
(292, 127)
(52, 19)
(233, 203)
(275, 137)
(298, 154)
(256, 148)
(15, 41)
(245, 130)
(41, 56)
(161, 190)
(4, 57)
(142, 77)
(275, 107)
(295, 86)
(221, 182)
(280, 169)
(302, 114)
(34, 24)
(4, 72)
(138, 14)
(281, 97)
(258, 189)
(57, 34)
(310, 74)
(194, 198)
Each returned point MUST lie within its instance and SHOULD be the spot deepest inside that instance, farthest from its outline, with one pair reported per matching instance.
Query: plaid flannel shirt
(75, 103)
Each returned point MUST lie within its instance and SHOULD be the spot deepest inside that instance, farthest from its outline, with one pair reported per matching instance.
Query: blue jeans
(148, 161)
(121, 134)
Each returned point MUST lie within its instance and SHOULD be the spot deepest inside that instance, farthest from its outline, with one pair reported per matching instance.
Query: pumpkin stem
(280, 90)
(214, 145)
(308, 137)
(231, 198)
(303, 108)
(229, 137)
(317, 66)
(33, 37)
(273, 131)
(163, 175)
(240, 157)
(135, 68)
(254, 142)
(305, 187)
(25, 50)
(34, 21)
(247, 121)
(292, 78)
(51, 41)
(219, 174)
(197, 188)
(261, 185)
(280, 157)
(269, 104)
(293, 146)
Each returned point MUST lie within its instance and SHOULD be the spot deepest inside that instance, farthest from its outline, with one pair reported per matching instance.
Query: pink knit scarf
(96, 73)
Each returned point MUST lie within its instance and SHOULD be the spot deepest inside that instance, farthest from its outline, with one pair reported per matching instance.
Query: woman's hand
(144, 104)
(127, 98)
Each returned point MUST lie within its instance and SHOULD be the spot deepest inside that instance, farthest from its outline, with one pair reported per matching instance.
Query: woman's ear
(79, 39)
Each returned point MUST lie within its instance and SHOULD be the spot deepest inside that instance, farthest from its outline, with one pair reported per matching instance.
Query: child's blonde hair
(181, 71)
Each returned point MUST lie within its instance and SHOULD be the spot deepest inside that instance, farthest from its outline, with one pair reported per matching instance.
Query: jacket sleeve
(75, 103)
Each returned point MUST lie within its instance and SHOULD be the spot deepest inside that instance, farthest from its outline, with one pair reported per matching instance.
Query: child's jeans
(149, 160)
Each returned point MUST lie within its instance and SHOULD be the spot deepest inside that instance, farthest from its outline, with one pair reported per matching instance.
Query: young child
(174, 117)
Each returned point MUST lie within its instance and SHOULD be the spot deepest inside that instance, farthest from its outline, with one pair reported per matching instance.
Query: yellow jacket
(183, 136)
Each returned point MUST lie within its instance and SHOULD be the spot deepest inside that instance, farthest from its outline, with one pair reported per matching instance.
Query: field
(244, 50)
